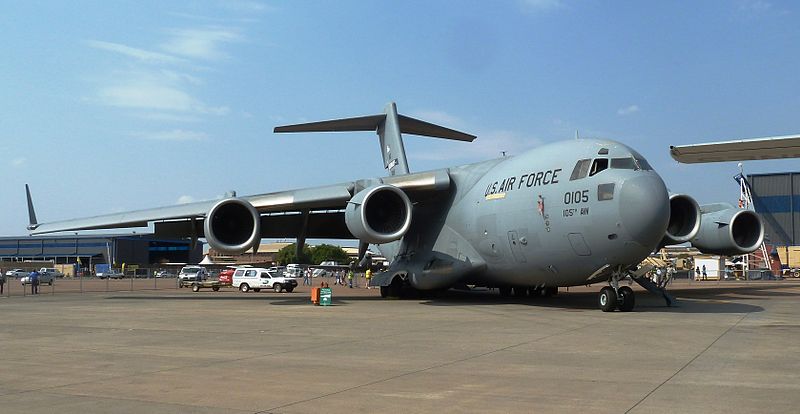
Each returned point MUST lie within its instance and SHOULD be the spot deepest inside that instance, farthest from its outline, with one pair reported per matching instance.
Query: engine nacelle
(232, 226)
(684, 220)
(729, 231)
(379, 214)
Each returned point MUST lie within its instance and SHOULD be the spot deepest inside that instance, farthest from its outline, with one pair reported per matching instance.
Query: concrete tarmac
(726, 348)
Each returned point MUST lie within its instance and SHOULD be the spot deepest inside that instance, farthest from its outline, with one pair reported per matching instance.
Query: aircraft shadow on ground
(645, 302)
(705, 301)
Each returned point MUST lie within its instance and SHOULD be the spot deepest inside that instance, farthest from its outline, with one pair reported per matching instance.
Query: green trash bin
(325, 296)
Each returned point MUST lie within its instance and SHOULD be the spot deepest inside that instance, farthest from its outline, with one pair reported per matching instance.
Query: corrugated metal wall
(777, 198)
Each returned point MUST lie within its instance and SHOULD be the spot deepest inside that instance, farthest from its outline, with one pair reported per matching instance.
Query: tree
(288, 255)
(327, 252)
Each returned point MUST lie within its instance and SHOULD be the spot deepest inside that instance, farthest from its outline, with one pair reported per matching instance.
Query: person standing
(33, 279)
(705, 275)
(697, 272)
(2, 282)
(350, 278)
(368, 276)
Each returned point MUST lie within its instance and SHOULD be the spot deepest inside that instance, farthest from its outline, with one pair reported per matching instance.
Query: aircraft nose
(644, 209)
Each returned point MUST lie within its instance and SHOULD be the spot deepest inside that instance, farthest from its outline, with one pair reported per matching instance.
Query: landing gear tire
(627, 300)
(550, 291)
(607, 299)
(505, 291)
(395, 289)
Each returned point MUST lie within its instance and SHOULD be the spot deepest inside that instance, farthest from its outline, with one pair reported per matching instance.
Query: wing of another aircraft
(787, 146)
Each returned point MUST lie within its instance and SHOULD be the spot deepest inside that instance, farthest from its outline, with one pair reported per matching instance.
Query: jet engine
(729, 231)
(232, 226)
(684, 220)
(379, 214)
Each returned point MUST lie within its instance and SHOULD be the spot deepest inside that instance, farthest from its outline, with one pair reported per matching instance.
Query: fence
(92, 284)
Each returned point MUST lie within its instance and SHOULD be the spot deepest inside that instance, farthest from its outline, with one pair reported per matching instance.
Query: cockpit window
(623, 164)
(580, 170)
(598, 165)
(642, 164)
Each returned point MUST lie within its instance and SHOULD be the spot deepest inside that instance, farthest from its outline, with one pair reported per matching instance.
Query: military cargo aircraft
(568, 213)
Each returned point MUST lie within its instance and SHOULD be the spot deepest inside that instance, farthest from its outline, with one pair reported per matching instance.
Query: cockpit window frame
(598, 165)
(581, 169)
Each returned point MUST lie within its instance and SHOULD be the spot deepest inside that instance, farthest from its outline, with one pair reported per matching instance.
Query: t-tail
(389, 126)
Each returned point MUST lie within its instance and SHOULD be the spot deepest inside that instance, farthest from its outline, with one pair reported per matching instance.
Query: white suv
(193, 273)
(257, 278)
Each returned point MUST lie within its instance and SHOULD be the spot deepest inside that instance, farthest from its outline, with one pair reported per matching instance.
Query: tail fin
(33, 223)
(389, 127)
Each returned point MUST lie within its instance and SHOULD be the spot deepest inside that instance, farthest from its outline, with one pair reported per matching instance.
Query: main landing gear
(616, 296)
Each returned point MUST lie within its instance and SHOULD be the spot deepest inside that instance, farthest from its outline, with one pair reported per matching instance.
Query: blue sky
(113, 106)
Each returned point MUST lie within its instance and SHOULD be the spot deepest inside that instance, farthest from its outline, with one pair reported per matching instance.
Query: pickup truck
(256, 278)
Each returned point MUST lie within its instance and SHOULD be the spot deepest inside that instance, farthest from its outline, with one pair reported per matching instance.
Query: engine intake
(379, 214)
(730, 232)
(232, 226)
(684, 220)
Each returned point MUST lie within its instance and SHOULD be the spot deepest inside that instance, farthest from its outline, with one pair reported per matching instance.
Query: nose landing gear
(615, 297)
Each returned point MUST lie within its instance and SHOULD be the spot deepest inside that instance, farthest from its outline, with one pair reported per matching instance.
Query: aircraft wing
(281, 212)
(787, 146)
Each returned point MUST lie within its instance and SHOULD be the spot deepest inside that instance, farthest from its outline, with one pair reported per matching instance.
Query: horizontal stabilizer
(408, 125)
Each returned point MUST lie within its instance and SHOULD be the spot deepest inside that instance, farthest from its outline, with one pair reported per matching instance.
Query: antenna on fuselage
(577, 137)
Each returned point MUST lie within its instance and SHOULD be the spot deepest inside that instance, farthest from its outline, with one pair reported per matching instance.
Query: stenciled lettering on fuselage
(576, 197)
(535, 179)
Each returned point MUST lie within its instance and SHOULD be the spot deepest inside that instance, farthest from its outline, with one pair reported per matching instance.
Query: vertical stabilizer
(394, 154)
(32, 222)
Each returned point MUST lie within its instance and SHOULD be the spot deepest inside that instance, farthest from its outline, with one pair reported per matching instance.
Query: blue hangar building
(143, 250)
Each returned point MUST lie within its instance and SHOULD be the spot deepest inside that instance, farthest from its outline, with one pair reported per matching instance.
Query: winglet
(33, 223)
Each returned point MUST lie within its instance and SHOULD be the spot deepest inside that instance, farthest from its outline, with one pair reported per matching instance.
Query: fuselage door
(578, 244)
(516, 247)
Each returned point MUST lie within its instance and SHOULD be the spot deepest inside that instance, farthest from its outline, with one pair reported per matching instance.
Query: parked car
(164, 274)
(110, 274)
(51, 270)
(44, 279)
(193, 273)
(255, 279)
(16, 273)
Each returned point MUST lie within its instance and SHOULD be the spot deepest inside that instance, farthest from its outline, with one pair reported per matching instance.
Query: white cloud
(200, 43)
(628, 110)
(754, 6)
(153, 92)
(245, 6)
(185, 199)
(173, 135)
(439, 117)
(18, 162)
(541, 5)
(139, 54)
(490, 144)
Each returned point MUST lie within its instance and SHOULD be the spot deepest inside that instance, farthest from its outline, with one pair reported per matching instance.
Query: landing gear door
(516, 247)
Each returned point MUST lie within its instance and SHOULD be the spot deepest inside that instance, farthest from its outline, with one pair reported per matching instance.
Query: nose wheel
(615, 296)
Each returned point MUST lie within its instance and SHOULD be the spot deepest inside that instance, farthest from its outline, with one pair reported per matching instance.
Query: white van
(257, 278)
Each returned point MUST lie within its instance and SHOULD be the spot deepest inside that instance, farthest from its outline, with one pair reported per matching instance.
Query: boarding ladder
(746, 202)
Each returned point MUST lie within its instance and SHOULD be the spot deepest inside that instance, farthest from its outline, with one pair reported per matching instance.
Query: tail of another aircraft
(389, 127)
